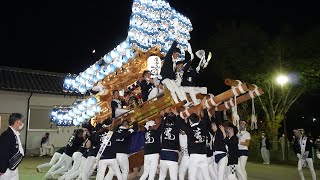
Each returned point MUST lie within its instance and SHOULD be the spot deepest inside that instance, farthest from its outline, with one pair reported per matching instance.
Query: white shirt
(19, 141)
(243, 136)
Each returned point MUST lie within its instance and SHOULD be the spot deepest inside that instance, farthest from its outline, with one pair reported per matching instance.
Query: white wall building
(34, 93)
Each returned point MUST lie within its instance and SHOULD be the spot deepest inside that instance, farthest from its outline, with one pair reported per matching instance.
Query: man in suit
(11, 146)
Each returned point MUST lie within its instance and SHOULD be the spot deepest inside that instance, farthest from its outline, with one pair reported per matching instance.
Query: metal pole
(27, 125)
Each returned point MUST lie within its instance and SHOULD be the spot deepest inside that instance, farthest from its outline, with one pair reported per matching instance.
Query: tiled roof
(26, 80)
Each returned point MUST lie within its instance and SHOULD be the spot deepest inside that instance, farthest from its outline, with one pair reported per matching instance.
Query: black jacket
(167, 67)
(9, 147)
(122, 138)
(73, 145)
(196, 135)
(170, 133)
(233, 149)
(145, 89)
(297, 147)
(152, 143)
(114, 106)
(189, 75)
(219, 141)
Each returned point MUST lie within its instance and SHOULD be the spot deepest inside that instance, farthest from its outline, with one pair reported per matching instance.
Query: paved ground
(255, 171)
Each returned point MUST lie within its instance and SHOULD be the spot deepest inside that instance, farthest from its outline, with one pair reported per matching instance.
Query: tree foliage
(248, 53)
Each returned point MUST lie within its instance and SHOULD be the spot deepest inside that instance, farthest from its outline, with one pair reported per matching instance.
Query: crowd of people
(202, 144)
(209, 149)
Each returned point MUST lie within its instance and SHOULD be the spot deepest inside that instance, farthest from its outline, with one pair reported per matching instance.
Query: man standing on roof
(168, 74)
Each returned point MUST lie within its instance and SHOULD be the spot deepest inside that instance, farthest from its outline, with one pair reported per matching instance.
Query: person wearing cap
(244, 142)
(303, 149)
(168, 74)
(152, 148)
(11, 151)
(232, 142)
(265, 149)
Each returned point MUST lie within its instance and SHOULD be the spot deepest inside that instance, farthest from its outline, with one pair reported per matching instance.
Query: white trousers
(166, 165)
(175, 90)
(265, 155)
(221, 168)
(64, 163)
(154, 92)
(55, 158)
(241, 168)
(211, 168)
(45, 149)
(10, 175)
(77, 158)
(123, 161)
(88, 168)
(193, 91)
(198, 162)
(310, 165)
(150, 166)
(112, 164)
(183, 167)
(215, 168)
(120, 111)
(77, 173)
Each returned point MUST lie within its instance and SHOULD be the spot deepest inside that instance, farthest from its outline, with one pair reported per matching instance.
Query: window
(39, 118)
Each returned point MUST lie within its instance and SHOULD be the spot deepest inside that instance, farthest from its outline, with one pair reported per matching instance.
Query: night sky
(59, 37)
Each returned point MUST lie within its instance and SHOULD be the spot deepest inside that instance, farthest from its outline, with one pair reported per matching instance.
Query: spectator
(11, 151)
(282, 141)
(265, 149)
(46, 146)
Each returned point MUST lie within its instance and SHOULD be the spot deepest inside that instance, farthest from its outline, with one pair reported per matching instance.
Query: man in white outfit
(168, 74)
(244, 142)
(185, 79)
(46, 146)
